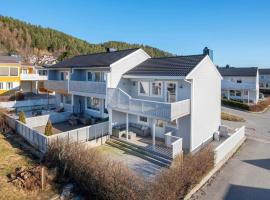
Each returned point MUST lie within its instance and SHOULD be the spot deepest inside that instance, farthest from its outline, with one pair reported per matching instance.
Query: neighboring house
(9, 74)
(240, 84)
(32, 78)
(177, 95)
(80, 83)
(265, 80)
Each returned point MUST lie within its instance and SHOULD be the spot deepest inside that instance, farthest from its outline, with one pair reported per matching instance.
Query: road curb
(213, 171)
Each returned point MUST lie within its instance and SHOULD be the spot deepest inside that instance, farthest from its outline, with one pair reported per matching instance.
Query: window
(238, 93)
(156, 88)
(68, 99)
(239, 81)
(1, 85)
(144, 88)
(172, 123)
(24, 71)
(266, 85)
(232, 93)
(261, 85)
(64, 76)
(9, 85)
(4, 71)
(95, 76)
(143, 119)
(93, 103)
(42, 72)
(246, 92)
(160, 124)
(61, 98)
(14, 71)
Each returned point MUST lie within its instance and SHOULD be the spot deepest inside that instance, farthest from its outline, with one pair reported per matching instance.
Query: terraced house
(265, 80)
(165, 102)
(15, 76)
(10, 67)
(240, 84)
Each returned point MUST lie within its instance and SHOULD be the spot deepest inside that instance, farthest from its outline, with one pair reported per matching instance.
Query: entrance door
(160, 129)
(171, 92)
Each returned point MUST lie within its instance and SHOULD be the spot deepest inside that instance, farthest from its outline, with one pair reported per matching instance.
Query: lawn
(11, 157)
(231, 117)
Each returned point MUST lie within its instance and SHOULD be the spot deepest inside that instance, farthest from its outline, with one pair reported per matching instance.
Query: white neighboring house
(240, 84)
(264, 80)
(176, 95)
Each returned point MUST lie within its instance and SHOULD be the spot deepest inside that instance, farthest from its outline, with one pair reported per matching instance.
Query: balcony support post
(228, 93)
(248, 96)
(110, 122)
(154, 133)
(127, 126)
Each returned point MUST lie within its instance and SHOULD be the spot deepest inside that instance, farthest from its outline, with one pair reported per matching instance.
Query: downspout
(191, 111)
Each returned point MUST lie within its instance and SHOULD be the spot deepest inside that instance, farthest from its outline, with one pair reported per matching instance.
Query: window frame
(161, 89)
(142, 122)
(2, 83)
(139, 88)
(9, 88)
(92, 108)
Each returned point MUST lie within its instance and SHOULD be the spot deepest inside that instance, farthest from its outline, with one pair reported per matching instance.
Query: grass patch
(231, 117)
(260, 106)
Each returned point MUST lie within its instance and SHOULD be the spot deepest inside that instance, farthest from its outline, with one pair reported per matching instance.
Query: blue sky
(237, 30)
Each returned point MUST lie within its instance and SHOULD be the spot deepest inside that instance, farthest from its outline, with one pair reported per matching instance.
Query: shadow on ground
(263, 163)
(238, 192)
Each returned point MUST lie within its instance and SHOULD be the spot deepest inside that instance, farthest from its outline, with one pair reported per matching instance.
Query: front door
(171, 92)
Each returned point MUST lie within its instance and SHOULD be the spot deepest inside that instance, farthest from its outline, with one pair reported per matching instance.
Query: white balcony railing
(120, 100)
(87, 87)
(56, 85)
(32, 77)
(229, 85)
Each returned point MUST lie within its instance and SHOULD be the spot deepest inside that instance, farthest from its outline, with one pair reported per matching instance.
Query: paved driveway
(246, 176)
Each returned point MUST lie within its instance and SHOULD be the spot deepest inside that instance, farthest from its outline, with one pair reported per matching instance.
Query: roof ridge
(179, 56)
(105, 52)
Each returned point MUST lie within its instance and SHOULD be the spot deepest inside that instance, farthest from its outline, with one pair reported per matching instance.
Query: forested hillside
(26, 39)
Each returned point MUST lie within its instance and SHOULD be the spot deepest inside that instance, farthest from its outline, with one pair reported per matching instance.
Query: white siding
(205, 102)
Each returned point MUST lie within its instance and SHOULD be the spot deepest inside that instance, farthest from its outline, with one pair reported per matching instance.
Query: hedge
(235, 104)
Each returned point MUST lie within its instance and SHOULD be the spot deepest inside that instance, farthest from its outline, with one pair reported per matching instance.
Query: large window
(93, 103)
(144, 88)
(14, 71)
(9, 85)
(156, 88)
(95, 76)
(64, 76)
(232, 93)
(4, 71)
(238, 93)
(1, 85)
(142, 119)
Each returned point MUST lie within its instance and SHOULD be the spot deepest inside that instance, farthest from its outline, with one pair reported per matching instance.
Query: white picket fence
(41, 142)
(224, 149)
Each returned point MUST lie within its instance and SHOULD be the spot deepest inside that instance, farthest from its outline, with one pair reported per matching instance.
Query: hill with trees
(26, 39)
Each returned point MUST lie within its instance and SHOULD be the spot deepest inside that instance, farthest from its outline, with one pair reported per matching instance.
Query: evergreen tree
(48, 128)
(22, 117)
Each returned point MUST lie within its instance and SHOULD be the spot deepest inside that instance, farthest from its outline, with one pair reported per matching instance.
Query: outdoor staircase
(146, 154)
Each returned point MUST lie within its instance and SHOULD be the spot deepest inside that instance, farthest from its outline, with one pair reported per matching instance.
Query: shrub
(177, 181)
(260, 106)
(98, 176)
(235, 104)
(231, 117)
(22, 117)
(48, 128)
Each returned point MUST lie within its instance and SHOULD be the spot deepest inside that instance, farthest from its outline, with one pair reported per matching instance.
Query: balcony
(56, 85)
(123, 102)
(32, 77)
(87, 87)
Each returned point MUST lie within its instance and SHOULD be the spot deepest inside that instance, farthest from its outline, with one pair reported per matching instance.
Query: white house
(240, 84)
(179, 96)
(175, 100)
(264, 80)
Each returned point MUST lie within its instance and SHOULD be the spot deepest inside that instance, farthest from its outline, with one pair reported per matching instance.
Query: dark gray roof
(166, 66)
(238, 71)
(104, 59)
(264, 71)
(9, 59)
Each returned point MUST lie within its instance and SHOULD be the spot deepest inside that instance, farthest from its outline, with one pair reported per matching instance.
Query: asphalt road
(246, 176)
